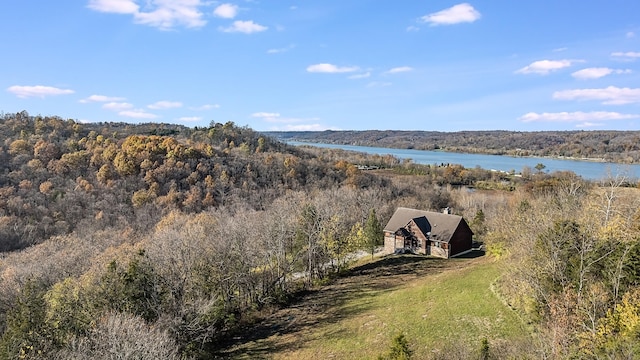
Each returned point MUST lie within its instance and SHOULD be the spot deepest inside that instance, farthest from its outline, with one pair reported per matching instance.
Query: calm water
(586, 169)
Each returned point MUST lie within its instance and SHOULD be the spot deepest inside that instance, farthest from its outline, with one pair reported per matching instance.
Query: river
(590, 170)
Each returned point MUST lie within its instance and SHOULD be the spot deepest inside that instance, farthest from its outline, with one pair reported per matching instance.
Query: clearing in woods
(434, 302)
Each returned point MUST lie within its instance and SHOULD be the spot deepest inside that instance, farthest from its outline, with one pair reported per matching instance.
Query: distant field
(434, 302)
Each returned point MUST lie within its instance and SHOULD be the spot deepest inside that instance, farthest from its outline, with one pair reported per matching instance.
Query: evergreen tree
(373, 235)
(399, 349)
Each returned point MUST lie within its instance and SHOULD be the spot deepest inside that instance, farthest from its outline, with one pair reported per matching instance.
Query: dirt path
(285, 328)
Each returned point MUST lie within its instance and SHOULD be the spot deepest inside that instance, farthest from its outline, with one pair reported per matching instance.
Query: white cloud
(137, 114)
(560, 49)
(595, 73)
(117, 106)
(265, 115)
(588, 124)
(281, 120)
(276, 51)
(101, 98)
(190, 118)
(227, 11)
(173, 13)
(544, 67)
(378, 84)
(591, 73)
(609, 96)
(246, 27)
(276, 118)
(626, 56)
(330, 68)
(412, 28)
(37, 91)
(577, 116)
(400, 69)
(630, 35)
(206, 107)
(360, 76)
(304, 127)
(456, 14)
(114, 6)
(163, 14)
(161, 105)
(280, 50)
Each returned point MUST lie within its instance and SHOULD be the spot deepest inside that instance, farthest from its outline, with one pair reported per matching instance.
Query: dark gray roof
(442, 226)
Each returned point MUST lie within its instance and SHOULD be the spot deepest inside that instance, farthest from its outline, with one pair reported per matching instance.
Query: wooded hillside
(191, 230)
(57, 175)
(163, 241)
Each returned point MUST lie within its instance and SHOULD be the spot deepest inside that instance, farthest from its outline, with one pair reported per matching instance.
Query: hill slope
(442, 306)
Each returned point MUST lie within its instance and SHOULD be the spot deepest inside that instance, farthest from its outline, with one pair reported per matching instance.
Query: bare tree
(118, 336)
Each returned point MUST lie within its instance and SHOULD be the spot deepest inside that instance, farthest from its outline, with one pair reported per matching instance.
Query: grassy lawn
(431, 301)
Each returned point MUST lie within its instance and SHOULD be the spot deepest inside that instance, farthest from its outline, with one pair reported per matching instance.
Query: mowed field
(439, 305)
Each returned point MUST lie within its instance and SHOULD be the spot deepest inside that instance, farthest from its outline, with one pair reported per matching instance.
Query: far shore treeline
(602, 145)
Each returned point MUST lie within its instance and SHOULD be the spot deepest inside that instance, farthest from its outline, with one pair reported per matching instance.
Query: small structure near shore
(426, 232)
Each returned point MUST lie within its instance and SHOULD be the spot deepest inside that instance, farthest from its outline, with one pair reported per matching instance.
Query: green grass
(453, 303)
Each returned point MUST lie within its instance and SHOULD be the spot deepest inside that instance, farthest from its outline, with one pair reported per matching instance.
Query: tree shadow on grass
(475, 253)
(291, 327)
(393, 265)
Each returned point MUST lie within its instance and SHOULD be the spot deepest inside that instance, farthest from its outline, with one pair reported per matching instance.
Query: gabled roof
(442, 226)
(423, 224)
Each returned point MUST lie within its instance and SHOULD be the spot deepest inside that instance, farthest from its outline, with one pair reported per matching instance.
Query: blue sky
(326, 64)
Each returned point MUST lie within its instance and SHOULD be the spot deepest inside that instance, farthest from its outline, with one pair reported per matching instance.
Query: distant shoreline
(595, 160)
(615, 147)
(592, 169)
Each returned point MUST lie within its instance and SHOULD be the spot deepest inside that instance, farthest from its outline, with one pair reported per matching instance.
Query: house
(426, 232)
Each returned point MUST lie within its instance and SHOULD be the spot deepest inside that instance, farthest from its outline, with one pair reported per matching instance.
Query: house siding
(389, 242)
(462, 239)
(422, 240)
(439, 252)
